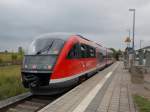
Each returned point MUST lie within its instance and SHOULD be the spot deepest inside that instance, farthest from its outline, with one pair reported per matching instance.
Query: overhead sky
(104, 21)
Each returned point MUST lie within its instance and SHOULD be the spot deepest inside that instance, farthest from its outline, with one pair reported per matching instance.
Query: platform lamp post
(132, 55)
(133, 30)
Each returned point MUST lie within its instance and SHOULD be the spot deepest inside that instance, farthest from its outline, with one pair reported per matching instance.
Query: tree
(21, 53)
(6, 51)
(114, 52)
(14, 57)
(1, 61)
(20, 50)
(118, 54)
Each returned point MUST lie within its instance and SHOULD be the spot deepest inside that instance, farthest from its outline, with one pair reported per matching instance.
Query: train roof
(63, 36)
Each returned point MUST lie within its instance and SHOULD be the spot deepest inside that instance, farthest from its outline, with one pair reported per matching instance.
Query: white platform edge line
(87, 100)
(45, 108)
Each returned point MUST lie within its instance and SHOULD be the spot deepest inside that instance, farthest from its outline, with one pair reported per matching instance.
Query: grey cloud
(99, 20)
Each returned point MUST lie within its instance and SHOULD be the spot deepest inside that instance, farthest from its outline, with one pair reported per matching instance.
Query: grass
(7, 57)
(142, 103)
(10, 81)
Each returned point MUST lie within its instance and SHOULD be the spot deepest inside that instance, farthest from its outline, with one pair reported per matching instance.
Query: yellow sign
(127, 40)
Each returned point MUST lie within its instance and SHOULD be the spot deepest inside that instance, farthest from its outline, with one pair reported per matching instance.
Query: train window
(84, 51)
(91, 51)
(74, 52)
(87, 51)
(100, 57)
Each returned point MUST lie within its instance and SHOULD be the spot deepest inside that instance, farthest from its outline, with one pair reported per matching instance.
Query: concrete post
(141, 57)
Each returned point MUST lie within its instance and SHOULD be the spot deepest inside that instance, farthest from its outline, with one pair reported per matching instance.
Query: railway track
(31, 103)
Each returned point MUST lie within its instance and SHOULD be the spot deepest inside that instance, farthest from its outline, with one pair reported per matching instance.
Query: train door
(83, 56)
(75, 64)
(88, 57)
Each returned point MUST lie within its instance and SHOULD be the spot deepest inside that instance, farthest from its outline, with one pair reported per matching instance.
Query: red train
(56, 62)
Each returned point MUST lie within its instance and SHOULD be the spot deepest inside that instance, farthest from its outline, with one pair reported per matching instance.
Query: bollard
(147, 61)
(147, 58)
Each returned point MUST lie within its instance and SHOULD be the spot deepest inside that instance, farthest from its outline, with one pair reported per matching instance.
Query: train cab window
(74, 52)
(56, 47)
(44, 46)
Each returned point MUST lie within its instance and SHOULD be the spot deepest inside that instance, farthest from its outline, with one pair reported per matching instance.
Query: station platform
(107, 91)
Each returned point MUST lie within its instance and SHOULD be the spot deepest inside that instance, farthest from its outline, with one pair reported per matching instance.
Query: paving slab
(118, 97)
(108, 91)
(71, 100)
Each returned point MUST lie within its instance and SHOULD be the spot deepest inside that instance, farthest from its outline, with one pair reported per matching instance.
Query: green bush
(1, 61)
(142, 103)
(14, 57)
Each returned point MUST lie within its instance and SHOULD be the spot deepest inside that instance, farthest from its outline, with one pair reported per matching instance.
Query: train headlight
(25, 66)
(49, 66)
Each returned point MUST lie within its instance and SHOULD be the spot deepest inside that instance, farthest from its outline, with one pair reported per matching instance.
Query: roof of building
(144, 48)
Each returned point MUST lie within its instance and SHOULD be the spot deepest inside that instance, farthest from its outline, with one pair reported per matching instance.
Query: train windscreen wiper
(45, 49)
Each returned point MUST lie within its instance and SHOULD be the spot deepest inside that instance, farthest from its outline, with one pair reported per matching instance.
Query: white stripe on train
(74, 76)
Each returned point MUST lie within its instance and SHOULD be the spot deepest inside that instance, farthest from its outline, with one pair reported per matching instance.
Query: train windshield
(42, 54)
(45, 46)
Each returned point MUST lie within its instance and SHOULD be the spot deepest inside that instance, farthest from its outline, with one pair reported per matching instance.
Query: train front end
(38, 64)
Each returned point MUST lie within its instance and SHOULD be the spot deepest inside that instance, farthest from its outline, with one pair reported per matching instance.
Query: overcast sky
(103, 21)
